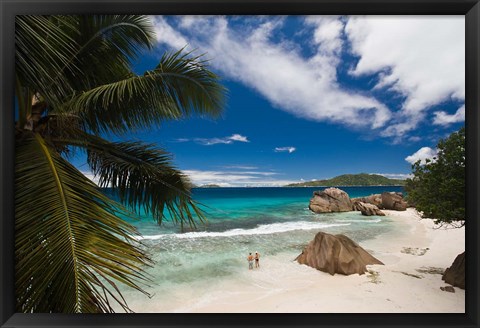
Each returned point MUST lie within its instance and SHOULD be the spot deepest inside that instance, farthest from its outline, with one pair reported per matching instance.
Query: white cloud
(212, 141)
(238, 137)
(226, 140)
(443, 118)
(166, 34)
(400, 176)
(258, 173)
(278, 71)
(414, 138)
(285, 149)
(327, 32)
(215, 141)
(236, 179)
(422, 154)
(421, 57)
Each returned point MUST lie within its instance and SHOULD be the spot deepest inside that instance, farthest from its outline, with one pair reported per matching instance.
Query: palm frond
(55, 55)
(126, 34)
(42, 51)
(70, 246)
(180, 86)
(106, 44)
(142, 175)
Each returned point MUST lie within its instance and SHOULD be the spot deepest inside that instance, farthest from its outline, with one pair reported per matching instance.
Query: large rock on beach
(375, 199)
(385, 201)
(336, 254)
(455, 275)
(330, 200)
(367, 209)
(393, 201)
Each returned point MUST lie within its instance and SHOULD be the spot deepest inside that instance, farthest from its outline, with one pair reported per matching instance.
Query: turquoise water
(249, 208)
(273, 221)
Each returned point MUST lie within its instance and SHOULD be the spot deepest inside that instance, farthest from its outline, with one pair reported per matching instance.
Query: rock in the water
(393, 201)
(330, 200)
(336, 254)
(367, 209)
(385, 201)
(375, 199)
(455, 275)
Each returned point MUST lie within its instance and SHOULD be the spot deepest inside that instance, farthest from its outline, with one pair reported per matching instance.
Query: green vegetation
(74, 87)
(438, 186)
(362, 179)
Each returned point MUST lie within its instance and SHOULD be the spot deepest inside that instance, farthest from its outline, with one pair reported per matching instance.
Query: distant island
(362, 179)
(209, 186)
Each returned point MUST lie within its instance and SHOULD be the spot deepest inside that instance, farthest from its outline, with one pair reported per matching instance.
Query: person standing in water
(250, 261)
(257, 260)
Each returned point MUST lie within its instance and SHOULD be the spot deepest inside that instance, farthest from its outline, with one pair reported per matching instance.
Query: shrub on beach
(438, 186)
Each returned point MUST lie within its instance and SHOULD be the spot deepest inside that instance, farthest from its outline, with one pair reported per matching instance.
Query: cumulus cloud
(443, 118)
(166, 34)
(236, 178)
(422, 154)
(412, 57)
(419, 58)
(285, 149)
(277, 70)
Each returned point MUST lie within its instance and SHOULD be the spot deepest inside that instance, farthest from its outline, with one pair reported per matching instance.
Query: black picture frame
(10, 8)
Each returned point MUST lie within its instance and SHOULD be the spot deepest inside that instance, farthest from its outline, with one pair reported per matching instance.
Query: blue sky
(314, 97)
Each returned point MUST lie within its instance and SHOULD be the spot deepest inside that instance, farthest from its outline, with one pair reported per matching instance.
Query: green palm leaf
(100, 39)
(56, 55)
(42, 52)
(180, 86)
(70, 244)
(143, 176)
(73, 77)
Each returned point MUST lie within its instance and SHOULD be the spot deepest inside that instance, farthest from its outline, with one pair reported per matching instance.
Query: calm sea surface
(273, 221)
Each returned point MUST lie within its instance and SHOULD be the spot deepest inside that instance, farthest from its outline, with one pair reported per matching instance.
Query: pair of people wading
(251, 258)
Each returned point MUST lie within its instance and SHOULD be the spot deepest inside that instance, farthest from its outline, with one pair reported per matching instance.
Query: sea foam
(361, 221)
(263, 229)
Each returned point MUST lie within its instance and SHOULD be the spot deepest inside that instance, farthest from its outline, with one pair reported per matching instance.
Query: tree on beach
(437, 189)
(74, 86)
(438, 186)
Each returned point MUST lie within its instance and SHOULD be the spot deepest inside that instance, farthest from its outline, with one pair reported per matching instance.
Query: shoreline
(396, 287)
(414, 256)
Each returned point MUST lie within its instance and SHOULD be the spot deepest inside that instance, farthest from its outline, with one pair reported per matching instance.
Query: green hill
(209, 186)
(362, 179)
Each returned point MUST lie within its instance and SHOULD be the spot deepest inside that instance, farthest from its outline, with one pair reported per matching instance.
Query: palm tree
(74, 86)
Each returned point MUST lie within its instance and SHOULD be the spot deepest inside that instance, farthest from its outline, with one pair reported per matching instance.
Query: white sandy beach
(400, 286)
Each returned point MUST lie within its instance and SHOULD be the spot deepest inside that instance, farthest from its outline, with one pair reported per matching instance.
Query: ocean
(276, 222)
